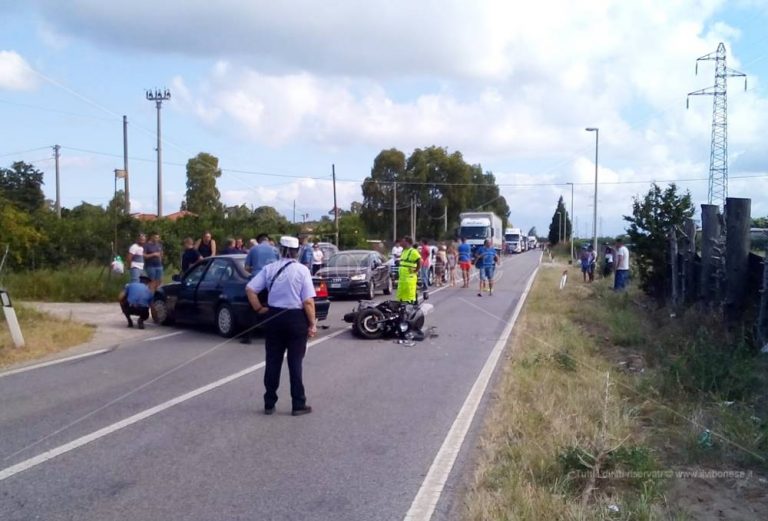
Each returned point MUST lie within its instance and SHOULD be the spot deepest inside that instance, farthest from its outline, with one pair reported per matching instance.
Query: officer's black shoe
(130, 323)
(304, 410)
(269, 410)
(141, 323)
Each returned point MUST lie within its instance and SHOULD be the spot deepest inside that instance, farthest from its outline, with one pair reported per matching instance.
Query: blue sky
(290, 89)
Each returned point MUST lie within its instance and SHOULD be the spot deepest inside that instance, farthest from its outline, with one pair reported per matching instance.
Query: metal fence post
(10, 317)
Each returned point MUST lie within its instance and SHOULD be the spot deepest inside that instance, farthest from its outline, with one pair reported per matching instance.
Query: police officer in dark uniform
(289, 321)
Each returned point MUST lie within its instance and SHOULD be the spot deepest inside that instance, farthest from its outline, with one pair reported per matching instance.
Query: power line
(24, 151)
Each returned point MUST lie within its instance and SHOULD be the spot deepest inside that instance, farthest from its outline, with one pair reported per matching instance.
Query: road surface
(171, 427)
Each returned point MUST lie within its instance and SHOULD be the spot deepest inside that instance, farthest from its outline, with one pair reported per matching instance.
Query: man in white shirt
(135, 257)
(622, 266)
(397, 251)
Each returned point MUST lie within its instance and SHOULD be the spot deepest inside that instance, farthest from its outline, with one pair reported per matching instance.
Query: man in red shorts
(465, 261)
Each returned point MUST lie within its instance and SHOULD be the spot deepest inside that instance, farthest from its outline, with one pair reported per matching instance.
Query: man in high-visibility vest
(408, 278)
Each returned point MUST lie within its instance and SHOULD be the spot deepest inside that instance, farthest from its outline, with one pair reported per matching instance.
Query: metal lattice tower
(718, 156)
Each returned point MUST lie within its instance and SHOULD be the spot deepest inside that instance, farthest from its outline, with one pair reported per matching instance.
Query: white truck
(533, 242)
(477, 227)
(513, 240)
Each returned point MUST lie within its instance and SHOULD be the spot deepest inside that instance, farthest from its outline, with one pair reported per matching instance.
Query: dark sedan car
(355, 272)
(213, 293)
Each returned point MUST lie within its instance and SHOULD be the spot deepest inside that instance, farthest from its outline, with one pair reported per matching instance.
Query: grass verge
(601, 410)
(81, 283)
(43, 334)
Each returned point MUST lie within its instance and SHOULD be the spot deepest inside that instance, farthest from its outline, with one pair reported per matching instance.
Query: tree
(22, 185)
(653, 216)
(376, 211)
(760, 222)
(17, 232)
(202, 197)
(532, 232)
(556, 233)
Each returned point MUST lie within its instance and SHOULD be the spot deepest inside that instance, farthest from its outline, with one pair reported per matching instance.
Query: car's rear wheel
(388, 287)
(371, 291)
(225, 321)
(159, 311)
(369, 324)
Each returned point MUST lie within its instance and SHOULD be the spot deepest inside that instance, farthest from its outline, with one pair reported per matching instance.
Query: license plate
(334, 286)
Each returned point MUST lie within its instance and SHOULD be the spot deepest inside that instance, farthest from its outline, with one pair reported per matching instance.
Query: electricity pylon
(718, 156)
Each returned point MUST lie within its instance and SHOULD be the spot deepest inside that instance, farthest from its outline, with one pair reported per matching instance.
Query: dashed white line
(168, 335)
(423, 505)
(126, 422)
(53, 362)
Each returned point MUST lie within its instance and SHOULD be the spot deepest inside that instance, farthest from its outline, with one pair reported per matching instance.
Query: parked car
(213, 293)
(329, 250)
(355, 272)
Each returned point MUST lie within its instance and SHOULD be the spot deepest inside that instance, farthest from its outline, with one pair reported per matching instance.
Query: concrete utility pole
(335, 206)
(594, 217)
(125, 167)
(394, 211)
(56, 154)
(571, 234)
(737, 246)
(158, 97)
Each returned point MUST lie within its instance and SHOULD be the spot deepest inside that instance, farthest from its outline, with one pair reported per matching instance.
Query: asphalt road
(172, 429)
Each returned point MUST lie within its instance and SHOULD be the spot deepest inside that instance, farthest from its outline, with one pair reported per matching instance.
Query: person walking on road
(487, 259)
(426, 254)
(450, 265)
(622, 266)
(135, 257)
(289, 321)
(465, 261)
(441, 260)
(305, 253)
(408, 280)
(135, 300)
(260, 255)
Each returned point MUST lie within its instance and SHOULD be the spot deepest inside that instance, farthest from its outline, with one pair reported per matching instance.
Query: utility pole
(445, 219)
(394, 212)
(335, 206)
(125, 167)
(56, 154)
(294, 211)
(718, 153)
(158, 96)
(571, 234)
(594, 216)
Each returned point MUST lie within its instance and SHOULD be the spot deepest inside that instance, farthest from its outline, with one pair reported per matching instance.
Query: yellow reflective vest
(410, 260)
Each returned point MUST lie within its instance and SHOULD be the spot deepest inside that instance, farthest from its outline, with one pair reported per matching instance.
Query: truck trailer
(477, 227)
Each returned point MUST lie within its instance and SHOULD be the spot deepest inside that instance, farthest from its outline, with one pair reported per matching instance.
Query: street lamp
(594, 216)
(571, 235)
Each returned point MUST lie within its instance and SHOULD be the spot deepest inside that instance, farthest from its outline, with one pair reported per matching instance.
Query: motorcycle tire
(368, 324)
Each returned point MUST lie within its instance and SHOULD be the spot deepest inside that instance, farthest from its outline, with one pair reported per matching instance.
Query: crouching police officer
(408, 278)
(289, 321)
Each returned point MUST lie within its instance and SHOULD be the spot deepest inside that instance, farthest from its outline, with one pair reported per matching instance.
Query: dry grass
(561, 400)
(44, 335)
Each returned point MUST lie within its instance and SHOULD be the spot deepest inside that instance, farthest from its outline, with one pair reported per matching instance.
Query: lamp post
(571, 234)
(594, 216)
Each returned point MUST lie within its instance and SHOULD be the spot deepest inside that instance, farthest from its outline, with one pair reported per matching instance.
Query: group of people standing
(415, 263)
(615, 259)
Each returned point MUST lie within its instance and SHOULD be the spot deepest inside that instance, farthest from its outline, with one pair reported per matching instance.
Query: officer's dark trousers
(285, 330)
(139, 311)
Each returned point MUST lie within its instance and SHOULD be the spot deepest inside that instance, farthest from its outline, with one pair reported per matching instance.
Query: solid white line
(168, 335)
(126, 422)
(52, 362)
(423, 506)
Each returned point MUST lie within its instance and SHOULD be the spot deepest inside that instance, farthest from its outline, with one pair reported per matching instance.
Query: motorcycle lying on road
(404, 321)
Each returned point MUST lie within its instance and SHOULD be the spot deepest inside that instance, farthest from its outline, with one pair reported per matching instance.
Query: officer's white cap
(289, 242)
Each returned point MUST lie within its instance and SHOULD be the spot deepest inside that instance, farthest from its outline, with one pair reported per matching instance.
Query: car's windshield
(474, 232)
(348, 260)
(512, 237)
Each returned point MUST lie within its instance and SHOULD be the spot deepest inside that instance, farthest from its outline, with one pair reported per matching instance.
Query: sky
(280, 91)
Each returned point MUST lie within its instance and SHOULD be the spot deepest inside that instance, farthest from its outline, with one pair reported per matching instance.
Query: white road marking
(168, 335)
(126, 422)
(423, 505)
(53, 362)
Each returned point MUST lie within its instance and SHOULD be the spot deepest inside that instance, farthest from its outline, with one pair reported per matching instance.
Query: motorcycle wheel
(369, 324)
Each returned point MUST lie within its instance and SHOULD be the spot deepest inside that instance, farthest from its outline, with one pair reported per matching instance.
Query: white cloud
(15, 73)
